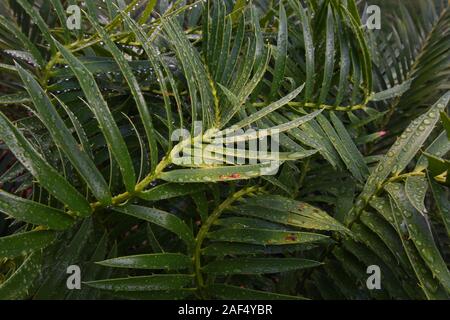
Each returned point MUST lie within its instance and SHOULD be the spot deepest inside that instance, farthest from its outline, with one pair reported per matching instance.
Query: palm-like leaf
(89, 170)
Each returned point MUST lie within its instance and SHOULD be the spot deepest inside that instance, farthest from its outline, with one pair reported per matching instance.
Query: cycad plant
(93, 120)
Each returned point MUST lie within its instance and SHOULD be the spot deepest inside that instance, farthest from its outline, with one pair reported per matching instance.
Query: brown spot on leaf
(232, 176)
(291, 237)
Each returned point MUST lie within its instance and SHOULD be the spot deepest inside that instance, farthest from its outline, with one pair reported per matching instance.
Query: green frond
(224, 149)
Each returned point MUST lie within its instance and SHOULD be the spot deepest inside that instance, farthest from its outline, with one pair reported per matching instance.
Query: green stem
(317, 106)
(144, 183)
(126, 196)
(201, 235)
(305, 169)
(381, 187)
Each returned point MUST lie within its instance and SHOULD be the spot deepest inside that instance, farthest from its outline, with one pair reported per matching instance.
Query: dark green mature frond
(93, 123)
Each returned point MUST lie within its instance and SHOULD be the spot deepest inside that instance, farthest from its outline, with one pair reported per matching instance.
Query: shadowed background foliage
(87, 174)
